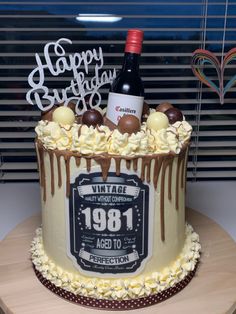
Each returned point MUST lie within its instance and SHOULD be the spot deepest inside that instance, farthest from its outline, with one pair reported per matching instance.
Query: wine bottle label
(110, 223)
(120, 104)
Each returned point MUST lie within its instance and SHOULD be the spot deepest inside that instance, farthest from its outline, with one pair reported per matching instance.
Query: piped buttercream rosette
(203, 57)
(118, 293)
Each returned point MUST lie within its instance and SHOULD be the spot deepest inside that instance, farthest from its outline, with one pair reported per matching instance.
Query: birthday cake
(113, 208)
(113, 232)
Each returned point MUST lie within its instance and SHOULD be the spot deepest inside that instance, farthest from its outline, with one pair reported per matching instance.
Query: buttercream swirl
(53, 135)
(123, 144)
(89, 140)
(118, 289)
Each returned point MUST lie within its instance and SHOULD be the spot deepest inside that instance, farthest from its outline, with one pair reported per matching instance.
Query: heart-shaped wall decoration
(203, 57)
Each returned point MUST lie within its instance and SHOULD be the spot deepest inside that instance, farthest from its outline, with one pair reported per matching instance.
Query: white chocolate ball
(157, 121)
(63, 115)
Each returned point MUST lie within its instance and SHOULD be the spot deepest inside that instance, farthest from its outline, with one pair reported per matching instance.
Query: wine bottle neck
(131, 62)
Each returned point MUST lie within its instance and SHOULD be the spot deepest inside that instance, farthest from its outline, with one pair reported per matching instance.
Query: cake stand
(211, 291)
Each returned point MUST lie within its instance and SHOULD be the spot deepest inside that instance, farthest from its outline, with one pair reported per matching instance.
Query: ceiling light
(109, 18)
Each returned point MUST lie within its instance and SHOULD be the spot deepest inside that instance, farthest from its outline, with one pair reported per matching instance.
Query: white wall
(214, 199)
(17, 202)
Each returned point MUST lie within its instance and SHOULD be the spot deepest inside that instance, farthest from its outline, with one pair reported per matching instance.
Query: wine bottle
(127, 93)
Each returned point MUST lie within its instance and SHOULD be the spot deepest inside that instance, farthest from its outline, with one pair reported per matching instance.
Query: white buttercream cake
(113, 213)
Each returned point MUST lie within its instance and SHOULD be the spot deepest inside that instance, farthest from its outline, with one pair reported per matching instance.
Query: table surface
(211, 291)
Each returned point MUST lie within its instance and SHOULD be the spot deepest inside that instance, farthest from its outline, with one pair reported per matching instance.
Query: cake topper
(202, 57)
(79, 65)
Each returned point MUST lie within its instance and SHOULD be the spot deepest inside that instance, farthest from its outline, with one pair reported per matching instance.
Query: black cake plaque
(110, 223)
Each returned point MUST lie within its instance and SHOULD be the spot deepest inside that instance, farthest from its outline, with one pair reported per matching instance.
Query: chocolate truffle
(78, 119)
(47, 115)
(92, 117)
(146, 109)
(164, 106)
(71, 105)
(174, 114)
(129, 124)
(63, 115)
(157, 121)
(87, 102)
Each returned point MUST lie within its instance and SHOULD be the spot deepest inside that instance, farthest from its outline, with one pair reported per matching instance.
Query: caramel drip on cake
(128, 164)
(182, 174)
(105, 163)
(51, 158)
(157, 169)
(77, 161)
(79, 131)
(146, 164)
(170, 179)
(177, 183)
(88, 162)
(161, 163)
(180, 167)
(42, 170)
(135, 164)
(100, 131)
(67, 161)
(37, 160)
(166, 162)
(117, 161)
(184, 170)
(58, 156)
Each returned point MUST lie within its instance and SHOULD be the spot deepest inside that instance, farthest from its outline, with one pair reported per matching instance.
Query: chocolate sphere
(47, 115)
(71, 105)
(129, 124)
(146, 109)
(174, 114)
(78, 119)
(164, 106)
(87, 101)
(92, 117)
